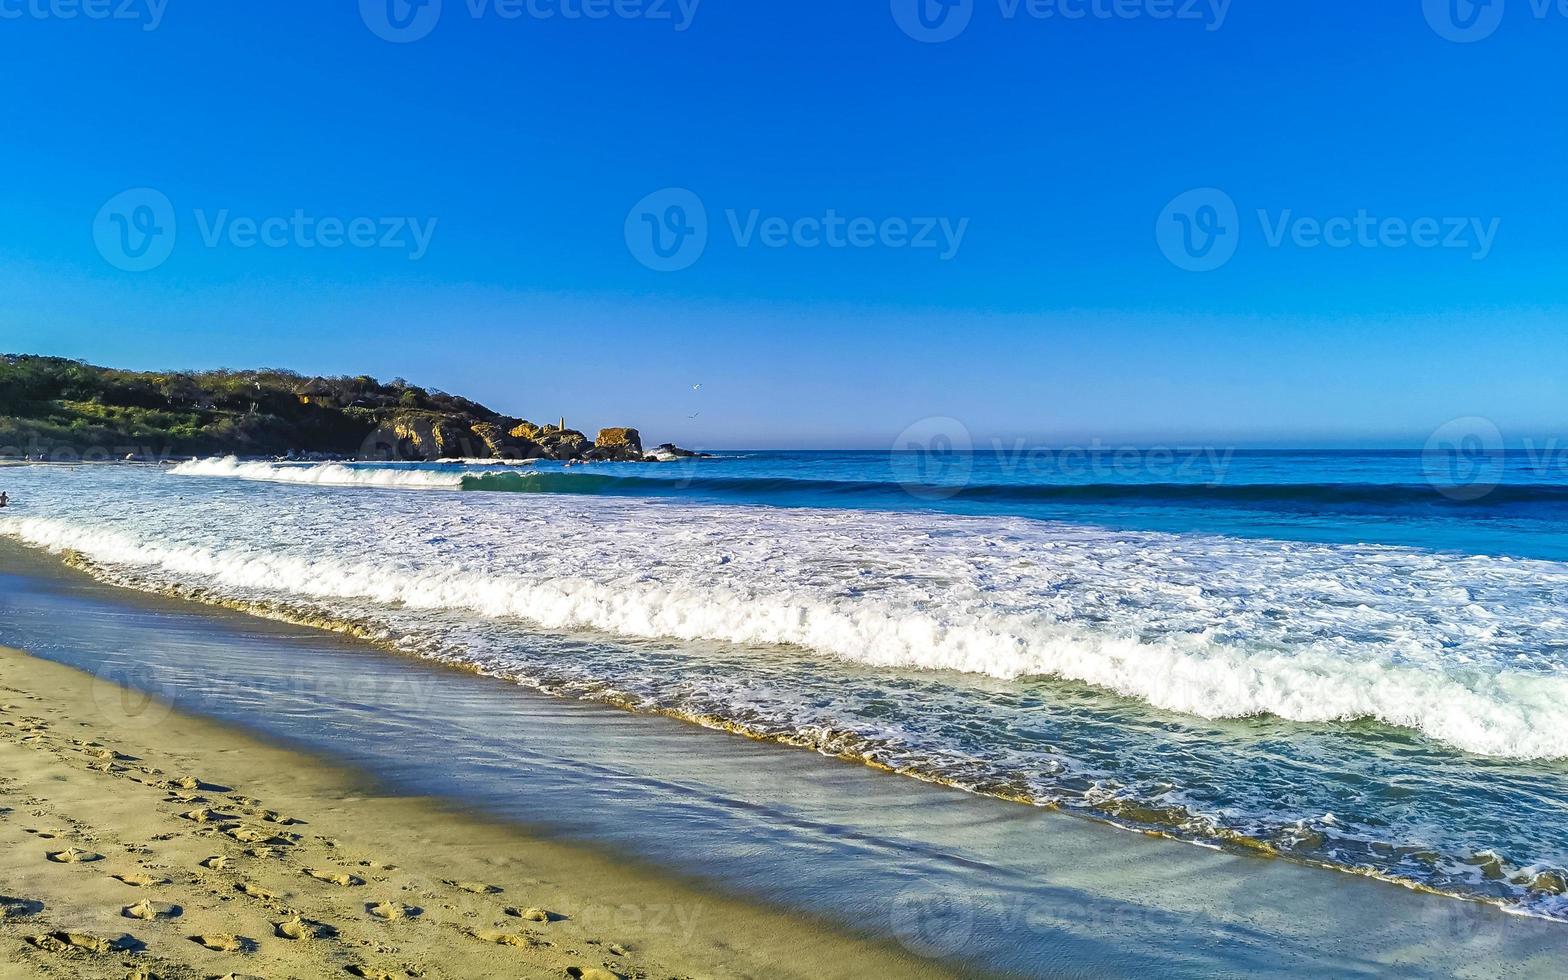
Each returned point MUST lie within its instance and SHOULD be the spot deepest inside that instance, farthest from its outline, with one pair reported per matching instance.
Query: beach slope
(136, 838)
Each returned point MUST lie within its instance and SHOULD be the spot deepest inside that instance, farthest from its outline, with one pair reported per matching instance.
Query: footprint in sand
(477, 887)
(191, 783)
(505, 938)
(18, 908)
(255, 891)
(73, 855)
(533, 915)
(591, 973)
(371, 973)
(222, 942)
(299, 928)
(255, 835)
(66, 942)
(151, 910)
(204, 815)
(140, 881)
(392, 911)
(335, 877)
(217, 862)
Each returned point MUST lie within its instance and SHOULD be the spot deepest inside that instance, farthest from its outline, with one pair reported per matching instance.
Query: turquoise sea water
(1358, 660)
(1508, 503)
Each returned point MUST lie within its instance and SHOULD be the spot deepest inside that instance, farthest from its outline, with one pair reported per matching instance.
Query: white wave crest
(331, 474)
(1478, 706)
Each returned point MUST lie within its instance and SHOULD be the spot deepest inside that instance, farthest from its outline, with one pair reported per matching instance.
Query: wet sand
(187, 848)
(747, 828)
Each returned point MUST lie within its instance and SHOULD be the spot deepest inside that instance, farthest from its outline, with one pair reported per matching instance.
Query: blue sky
(523, 145)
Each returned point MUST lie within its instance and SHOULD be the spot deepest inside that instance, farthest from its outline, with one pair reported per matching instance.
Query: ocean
(1351, 660)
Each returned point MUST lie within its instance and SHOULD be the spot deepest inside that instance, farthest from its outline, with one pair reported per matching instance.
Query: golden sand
(140, 843)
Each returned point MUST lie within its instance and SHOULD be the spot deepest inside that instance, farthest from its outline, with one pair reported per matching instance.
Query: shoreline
(1232, 843)
(90, 781)
(843, 850)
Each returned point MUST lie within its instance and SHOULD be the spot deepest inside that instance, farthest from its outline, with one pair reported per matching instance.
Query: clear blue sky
(1058, 141)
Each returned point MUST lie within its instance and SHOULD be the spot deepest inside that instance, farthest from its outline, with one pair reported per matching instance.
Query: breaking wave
(1480, 707)
(1541, 500)
(330, 474)
(1390, 710)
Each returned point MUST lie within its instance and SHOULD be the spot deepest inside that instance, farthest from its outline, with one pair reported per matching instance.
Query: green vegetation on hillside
(58, 408)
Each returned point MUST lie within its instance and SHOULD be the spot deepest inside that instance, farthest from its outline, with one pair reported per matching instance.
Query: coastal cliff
(54, 408)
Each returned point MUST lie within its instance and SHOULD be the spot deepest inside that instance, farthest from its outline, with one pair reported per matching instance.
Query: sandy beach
(187, 849)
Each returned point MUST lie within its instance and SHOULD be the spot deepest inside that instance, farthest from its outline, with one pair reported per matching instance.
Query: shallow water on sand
(1381, 708)
(996, 885)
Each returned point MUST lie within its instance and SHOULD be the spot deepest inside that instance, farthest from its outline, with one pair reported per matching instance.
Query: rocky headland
(53, 408)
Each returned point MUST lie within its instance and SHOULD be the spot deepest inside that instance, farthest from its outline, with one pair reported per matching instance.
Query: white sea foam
(1457, 647)
(336, 474)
